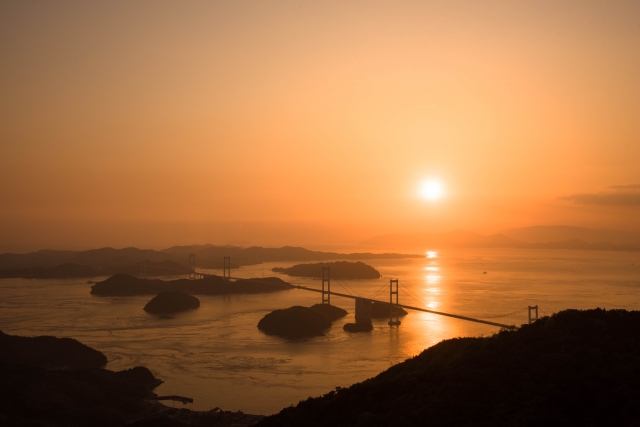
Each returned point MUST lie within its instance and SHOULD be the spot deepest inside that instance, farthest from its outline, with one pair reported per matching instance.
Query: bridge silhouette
(325, 290)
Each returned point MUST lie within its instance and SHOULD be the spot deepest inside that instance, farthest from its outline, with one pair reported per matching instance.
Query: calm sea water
(217, 356)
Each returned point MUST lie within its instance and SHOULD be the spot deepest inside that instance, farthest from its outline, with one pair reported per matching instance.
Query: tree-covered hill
(573, 368)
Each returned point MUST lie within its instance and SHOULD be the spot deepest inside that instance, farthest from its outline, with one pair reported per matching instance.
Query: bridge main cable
(440, 313)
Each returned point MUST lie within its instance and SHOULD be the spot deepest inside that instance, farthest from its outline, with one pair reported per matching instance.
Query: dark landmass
(58, 381)
(71, 270)
(328, 311)
(48, 381)
(361, 326)
(339, 270)
(294, 323)
(300, 322)
(49, 352)
(125, 285)
(62, 271)
(173, 261)
(573, 368)
(466, 239)
(172, 417)
(212, 255)
(380, 310)
(169, 302)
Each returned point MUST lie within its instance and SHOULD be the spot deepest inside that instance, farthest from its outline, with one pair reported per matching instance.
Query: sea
(217, 356)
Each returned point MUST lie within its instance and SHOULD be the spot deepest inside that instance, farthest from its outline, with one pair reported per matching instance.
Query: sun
(432, 190)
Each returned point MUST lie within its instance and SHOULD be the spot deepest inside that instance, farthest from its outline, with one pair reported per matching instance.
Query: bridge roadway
(440, 313)
(408, 307)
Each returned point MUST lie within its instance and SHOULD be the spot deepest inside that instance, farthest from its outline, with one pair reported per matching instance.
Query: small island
(339, 270)
(300, 322)
(170, 302)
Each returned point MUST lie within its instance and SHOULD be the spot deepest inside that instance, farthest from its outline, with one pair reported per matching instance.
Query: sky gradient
(285, 122)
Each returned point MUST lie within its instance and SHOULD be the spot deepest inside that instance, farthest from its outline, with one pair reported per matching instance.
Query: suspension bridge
(394, 288)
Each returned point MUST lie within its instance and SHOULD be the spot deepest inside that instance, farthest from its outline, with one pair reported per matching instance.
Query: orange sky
(273, 122)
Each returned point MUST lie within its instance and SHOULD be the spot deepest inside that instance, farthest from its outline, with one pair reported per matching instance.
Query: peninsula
(126, 285)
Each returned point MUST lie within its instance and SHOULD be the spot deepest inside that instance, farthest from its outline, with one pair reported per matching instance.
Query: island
(300, 322)
(170, 302)
(339, 270)
(127, 285)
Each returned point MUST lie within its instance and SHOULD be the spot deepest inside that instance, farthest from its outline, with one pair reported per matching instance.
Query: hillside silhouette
(572, 368)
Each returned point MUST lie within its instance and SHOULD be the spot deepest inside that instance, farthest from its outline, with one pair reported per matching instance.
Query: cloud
(625, 187)
(623, 195)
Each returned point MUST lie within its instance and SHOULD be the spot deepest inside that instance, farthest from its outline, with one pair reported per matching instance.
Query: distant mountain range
(563, 233)
(166, 262)
(539, 237)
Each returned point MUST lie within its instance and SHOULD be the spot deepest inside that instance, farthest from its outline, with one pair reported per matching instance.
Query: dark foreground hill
(51, 382)
(49, 352)
(339, 270)
(573, 368)
(125, 285)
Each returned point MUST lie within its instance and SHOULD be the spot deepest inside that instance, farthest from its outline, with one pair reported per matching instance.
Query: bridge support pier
(393, 307)
(531, 310)
(326, 278)
(226, 268)
(363, 310)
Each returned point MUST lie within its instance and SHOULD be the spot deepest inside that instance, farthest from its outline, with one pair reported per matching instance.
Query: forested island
(126, 285)
(300, 322)
(339, 270)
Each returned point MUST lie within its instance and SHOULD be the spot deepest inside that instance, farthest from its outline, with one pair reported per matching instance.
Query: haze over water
(217, 356)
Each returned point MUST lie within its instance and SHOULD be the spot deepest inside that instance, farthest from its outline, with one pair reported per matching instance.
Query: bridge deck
(440, 313)
(408, 307)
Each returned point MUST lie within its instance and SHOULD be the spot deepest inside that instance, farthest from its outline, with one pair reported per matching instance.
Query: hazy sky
(153, 123)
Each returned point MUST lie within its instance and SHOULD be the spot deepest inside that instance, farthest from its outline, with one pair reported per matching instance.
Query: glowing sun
(431, 190)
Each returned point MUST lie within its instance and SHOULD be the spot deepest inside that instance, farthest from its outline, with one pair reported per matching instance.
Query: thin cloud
(615, 198)
(625, 187)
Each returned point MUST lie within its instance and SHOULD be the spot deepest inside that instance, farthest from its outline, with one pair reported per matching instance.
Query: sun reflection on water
(433, 279)
(432, 254)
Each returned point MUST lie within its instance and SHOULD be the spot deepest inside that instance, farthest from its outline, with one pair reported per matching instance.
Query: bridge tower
(143, 264)
(393, 307)
(326, 278)
(226, 268)
(532, 309)
(192, 267)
